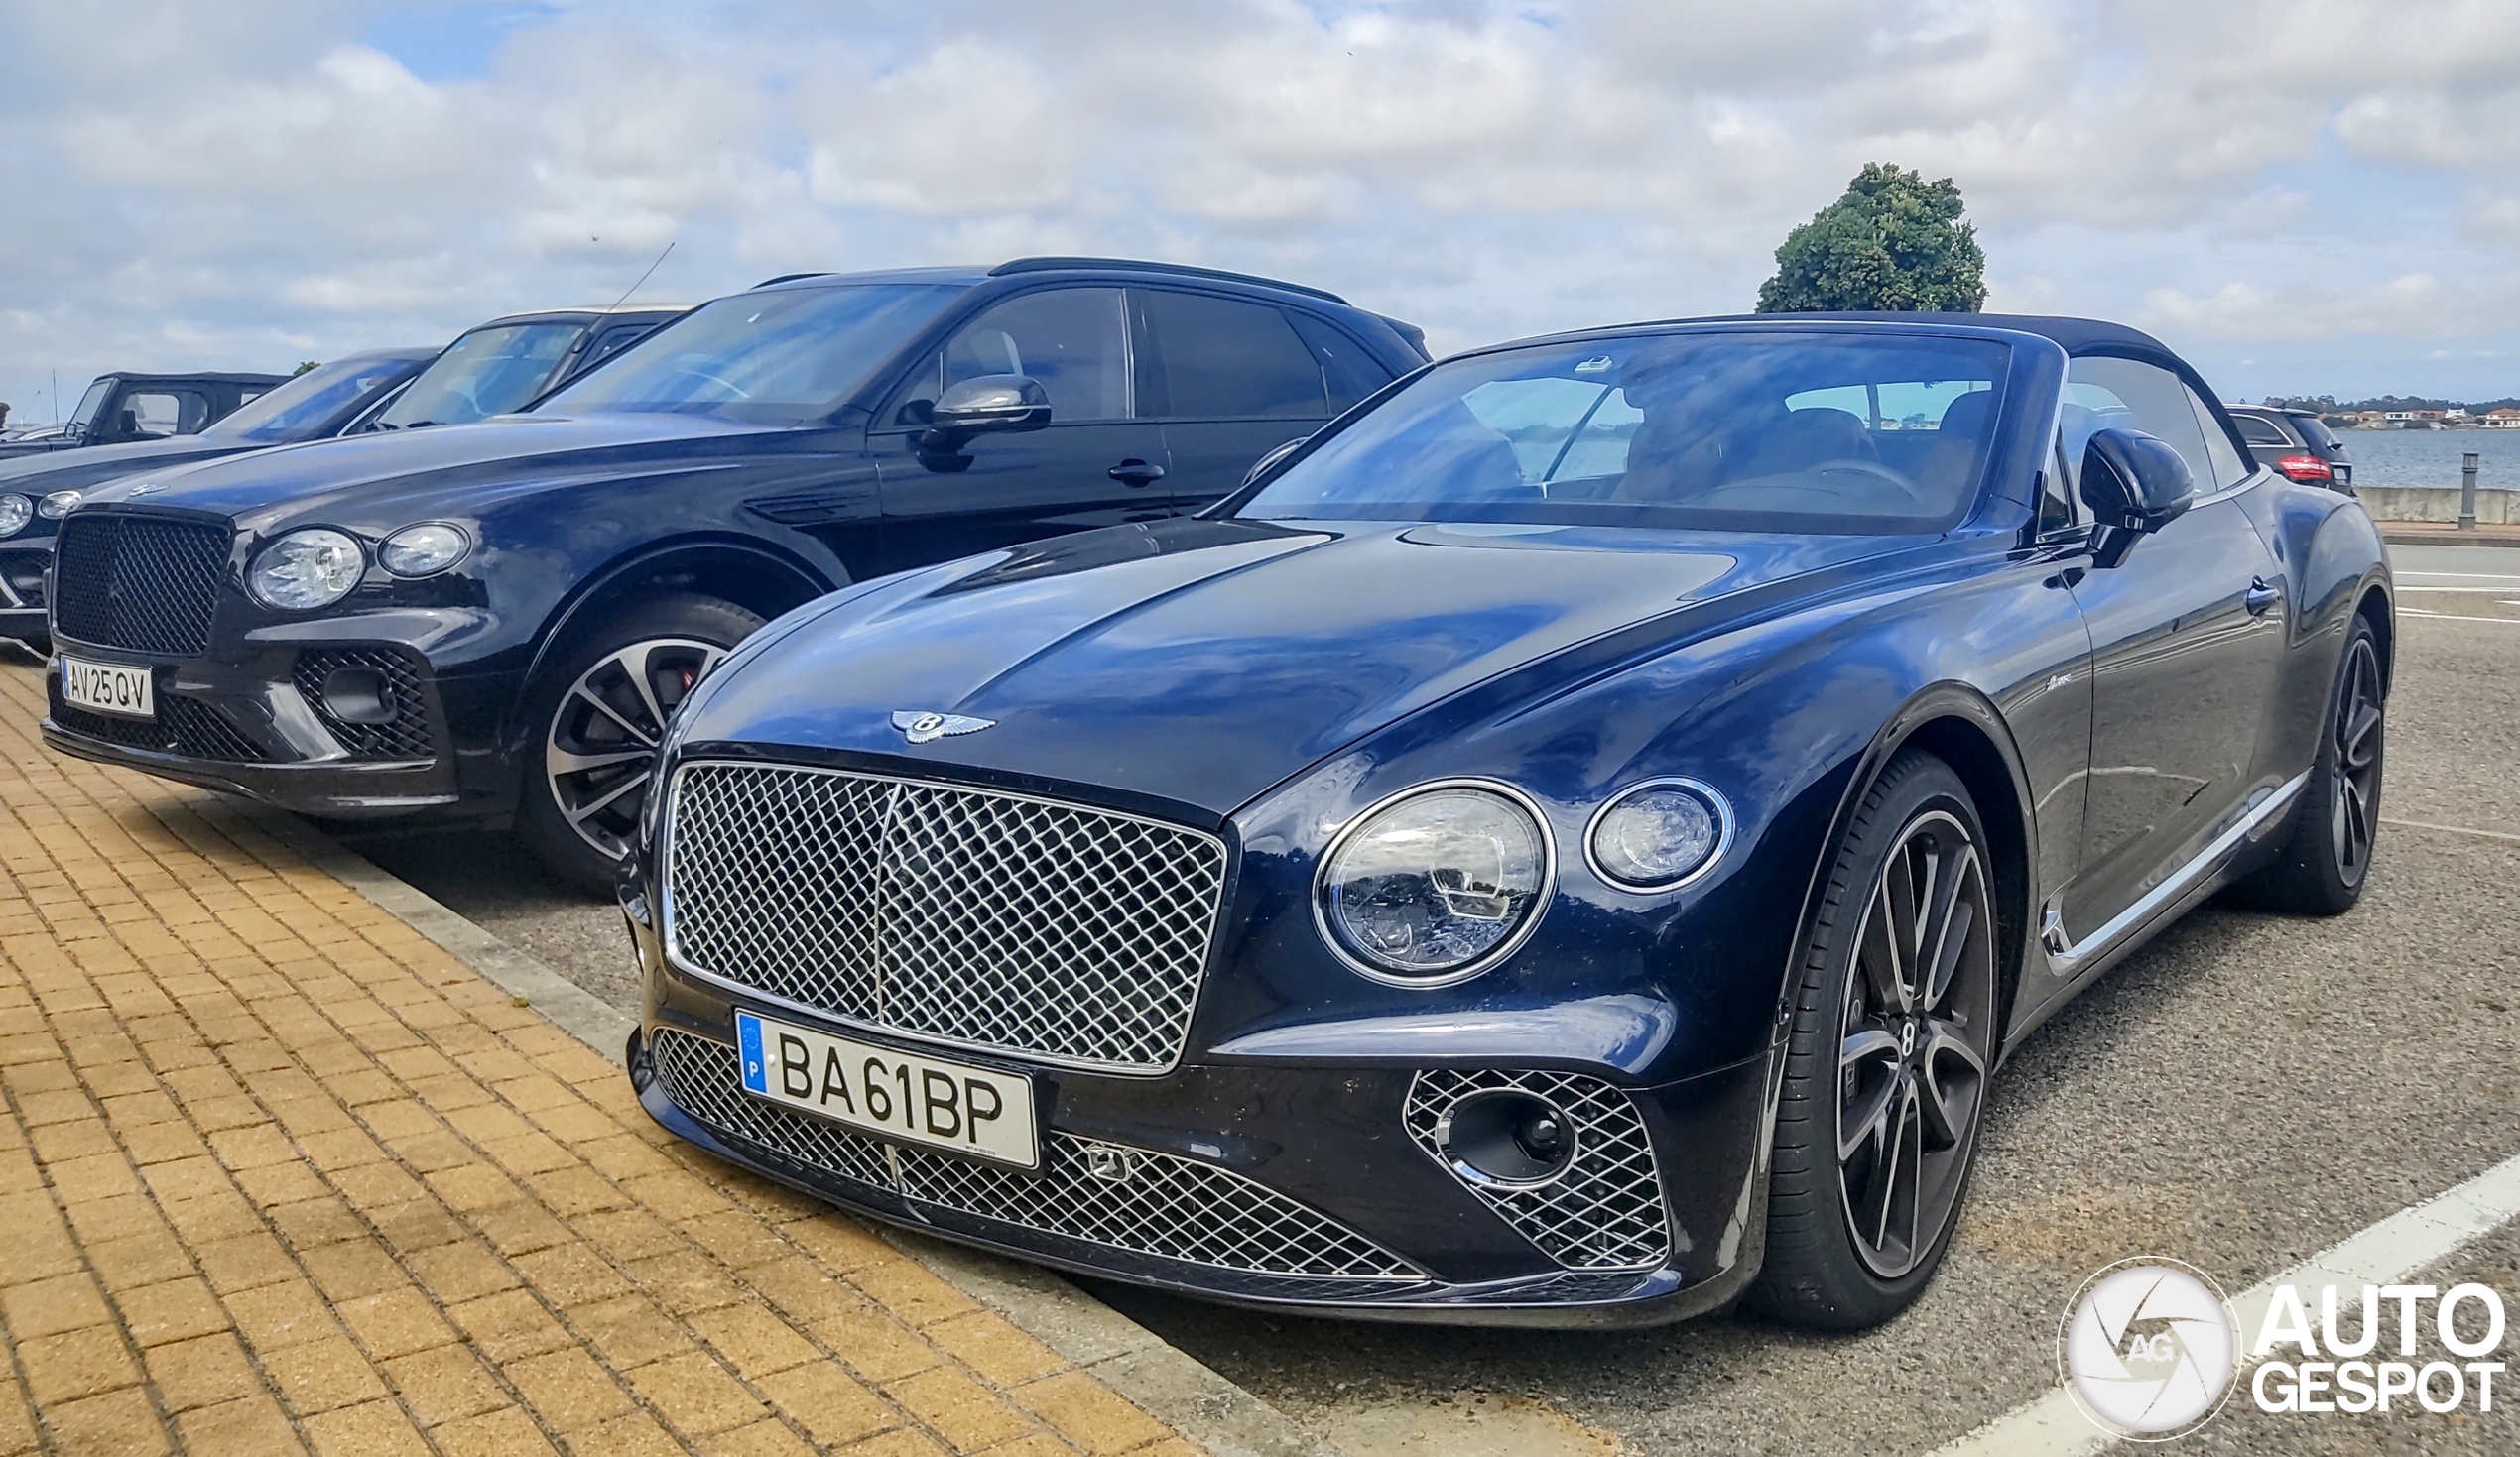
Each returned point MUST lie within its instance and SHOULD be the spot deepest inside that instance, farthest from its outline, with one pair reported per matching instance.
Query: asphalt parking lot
(2243, 1093)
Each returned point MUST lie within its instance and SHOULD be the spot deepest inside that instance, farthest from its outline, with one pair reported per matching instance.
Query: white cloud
(248, 185)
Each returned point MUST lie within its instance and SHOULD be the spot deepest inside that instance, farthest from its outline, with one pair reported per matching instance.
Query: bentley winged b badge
(921, 727)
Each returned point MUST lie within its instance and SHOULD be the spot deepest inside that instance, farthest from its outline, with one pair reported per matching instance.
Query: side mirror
(985, 404)
(1266, 463)
(2134, 483)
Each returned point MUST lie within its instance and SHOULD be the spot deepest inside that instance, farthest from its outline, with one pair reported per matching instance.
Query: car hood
(1201, 663)
(291, 482)
(63, 470)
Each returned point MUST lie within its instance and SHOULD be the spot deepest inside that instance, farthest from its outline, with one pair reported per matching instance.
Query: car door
(1229, 378)
(1094, 464)
(2187, 634)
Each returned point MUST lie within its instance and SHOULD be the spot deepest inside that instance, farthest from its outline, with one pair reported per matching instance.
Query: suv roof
(533, 316)
(1063, 264)
(177, 376)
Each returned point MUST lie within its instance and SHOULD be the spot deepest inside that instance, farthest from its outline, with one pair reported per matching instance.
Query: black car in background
(493, 621)
(2295, 443)
(503, 365)
(36, 493)
(126, 405)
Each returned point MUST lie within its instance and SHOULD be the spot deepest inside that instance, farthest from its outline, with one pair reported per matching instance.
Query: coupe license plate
(108, 687)
(891, 1094)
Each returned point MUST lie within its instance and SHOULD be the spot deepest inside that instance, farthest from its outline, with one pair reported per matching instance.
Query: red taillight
(2304, 468)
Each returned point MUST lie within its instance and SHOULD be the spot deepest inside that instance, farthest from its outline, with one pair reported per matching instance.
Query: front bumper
(22, 593)
(260, 726)
(1291, 1185)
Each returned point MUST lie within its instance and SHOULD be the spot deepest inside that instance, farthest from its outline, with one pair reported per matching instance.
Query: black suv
(36, 492)
(505, 364)
(2295, 443)
(495, 620)
(126, 405)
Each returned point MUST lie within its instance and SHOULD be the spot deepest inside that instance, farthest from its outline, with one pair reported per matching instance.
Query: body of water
(2430, 458)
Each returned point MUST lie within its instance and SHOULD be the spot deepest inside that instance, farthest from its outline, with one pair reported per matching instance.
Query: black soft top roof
(180, 377)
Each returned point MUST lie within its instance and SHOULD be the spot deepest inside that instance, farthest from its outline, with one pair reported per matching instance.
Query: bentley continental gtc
(1570, 843)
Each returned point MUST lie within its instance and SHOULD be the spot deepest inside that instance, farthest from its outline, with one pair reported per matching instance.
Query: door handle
(1135, 472)
(2261, 596)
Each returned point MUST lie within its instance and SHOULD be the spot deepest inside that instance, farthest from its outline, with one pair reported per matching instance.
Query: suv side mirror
(985, 404)
(2136, 484)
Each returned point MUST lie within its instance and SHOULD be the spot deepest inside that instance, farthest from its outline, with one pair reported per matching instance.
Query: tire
(594, 732)
(1850, 1244)
(2328, 858)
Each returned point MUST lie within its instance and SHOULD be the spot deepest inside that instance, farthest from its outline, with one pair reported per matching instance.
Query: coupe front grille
(1101, 1193)
(1070, 935)
(141, 582)
(403, 735)
(184, 726)
(1605, 1211)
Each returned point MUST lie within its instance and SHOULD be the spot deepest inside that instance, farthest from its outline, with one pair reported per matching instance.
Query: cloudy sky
(2307, 195)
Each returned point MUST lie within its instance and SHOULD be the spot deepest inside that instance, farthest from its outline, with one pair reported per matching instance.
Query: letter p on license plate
(901, 1096)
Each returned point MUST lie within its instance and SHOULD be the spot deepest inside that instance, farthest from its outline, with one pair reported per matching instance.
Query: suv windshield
(92, 403)
(292, 410)
(1755, 431)
(489, 371)
(782, 357)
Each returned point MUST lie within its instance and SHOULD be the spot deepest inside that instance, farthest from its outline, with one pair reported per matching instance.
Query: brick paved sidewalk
(276, 1175)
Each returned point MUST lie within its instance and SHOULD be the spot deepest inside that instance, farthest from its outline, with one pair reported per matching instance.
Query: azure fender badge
(921, 727)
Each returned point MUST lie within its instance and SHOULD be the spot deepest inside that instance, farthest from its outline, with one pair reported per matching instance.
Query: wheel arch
(2375, 608)
(753, 577)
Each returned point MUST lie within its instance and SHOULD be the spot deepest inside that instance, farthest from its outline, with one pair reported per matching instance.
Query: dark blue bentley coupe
(1567, 845)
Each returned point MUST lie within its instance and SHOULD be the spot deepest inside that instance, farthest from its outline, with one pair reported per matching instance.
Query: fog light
(357, 695)
(1506, 1137)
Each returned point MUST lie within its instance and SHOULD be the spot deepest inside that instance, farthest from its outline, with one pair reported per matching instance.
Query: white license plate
(889, 1093)
(108, 687)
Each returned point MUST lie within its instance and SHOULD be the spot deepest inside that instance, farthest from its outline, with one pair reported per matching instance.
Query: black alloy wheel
(1913, 1043)
(1889, 1057)
(599, 713)
(2323, 866)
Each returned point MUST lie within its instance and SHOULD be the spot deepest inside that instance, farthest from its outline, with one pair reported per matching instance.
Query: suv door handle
(1136, 472)
(2261, 596)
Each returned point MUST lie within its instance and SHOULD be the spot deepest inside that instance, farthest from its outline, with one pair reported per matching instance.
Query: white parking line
(2490, 576)
(2455, 617)
(2385, 1254)
(2453, 829)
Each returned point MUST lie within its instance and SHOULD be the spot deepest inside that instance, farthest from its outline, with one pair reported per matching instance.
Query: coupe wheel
(2323, 865)
(1887, 1065)
(602, 714)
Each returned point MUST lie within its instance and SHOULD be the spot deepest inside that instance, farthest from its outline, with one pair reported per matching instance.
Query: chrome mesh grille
(1065, 934)
(1605, 1211)
(1102, 1193)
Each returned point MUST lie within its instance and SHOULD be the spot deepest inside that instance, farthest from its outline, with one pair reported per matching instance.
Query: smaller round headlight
(1658, 835)
(58, 505)
(424, 549)
(305, 569)
(15, 512)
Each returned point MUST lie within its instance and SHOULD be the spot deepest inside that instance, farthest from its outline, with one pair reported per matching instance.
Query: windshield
(91, 402)
(489, 371)
(297, 409)
(1753, 432)
(784, 357)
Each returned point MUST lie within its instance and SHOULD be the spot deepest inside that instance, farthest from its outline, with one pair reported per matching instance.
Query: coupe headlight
(1437, 884)
(15, 512)
(58, 505)
(419, 550)
(1658, 835)
(305, 570)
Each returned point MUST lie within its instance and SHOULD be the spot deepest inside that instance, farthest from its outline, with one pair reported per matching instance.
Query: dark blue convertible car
(1568, 844)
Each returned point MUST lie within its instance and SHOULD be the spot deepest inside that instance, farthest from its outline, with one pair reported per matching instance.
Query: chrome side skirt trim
(2066, 957)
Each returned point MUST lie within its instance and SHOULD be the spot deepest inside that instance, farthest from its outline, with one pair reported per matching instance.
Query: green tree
(1894, 241)
(305, 365)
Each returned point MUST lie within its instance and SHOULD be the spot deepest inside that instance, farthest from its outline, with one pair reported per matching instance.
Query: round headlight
(1437, 884)
(15, 512)
(304, 569)
(1658, 835)
(58, 505)
(419, 550)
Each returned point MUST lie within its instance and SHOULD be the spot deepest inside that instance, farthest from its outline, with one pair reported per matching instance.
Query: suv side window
(1203, 357)
(1346, 368)
(2258, 429)
(1075, 341)
(147, 415)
